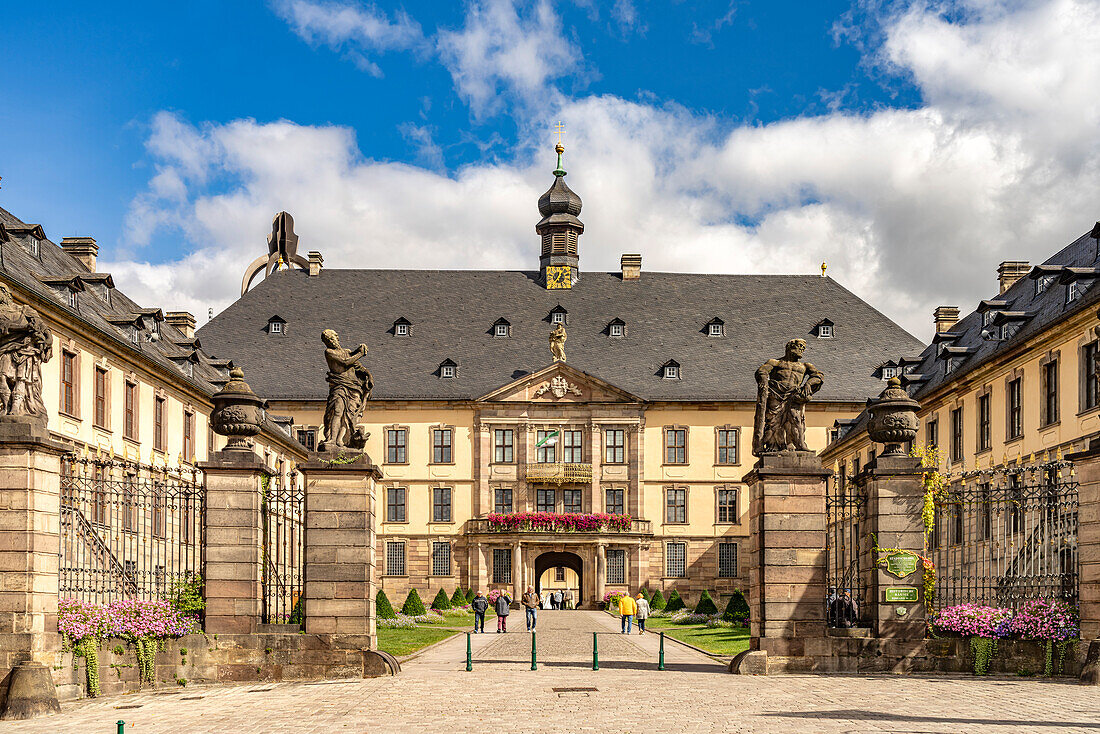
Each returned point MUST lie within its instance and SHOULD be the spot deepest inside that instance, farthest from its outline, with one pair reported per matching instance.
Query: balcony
(559, 473)
(558, 524)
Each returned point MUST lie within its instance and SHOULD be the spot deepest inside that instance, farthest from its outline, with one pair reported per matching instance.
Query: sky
(910, 145)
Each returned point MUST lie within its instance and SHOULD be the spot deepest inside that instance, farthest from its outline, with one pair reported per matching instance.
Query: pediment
(560, 383)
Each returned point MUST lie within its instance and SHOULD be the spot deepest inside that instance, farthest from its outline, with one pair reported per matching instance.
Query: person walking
(568, 599)
(627, 609)
(503, 609)
(557, 599)
(480, 605)
(641, 613)
(531, 603)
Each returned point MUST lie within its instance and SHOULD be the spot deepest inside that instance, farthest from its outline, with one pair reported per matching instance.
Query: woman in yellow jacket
(627, 609)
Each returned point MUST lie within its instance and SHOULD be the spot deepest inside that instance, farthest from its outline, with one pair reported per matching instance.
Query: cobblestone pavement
(435, 694)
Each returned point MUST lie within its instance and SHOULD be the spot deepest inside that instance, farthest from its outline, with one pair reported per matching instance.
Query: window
(308, 438)
(68, 383)
(502, 500)
(616, 565)
(956, 515)
(395, 558)
(727, 505)
(825, 331)
(715, 327)
(441, 558)
(72, 298)
(957, 434)
(985, 440)
(727, 446)
(1073, 290)
(1042, 283)
(676, 560)
(129, 504)
(615, 502)
(502, 566)
(1050, 392)
(401, 329)
(158, 424)
(559, 573)
(395, 504)
(135, 334)
(503, 443)
(614, 446)
(129, 411)
(672, 371)
(188, 436)
(447, 370)
(614, 329)
(160, 511)
(675, 445)
(545, 500)
(557, 316)
(572, 450)
(100, 397)
(99, 497)
(189, 368)
(35, 245)
(571, 500)
(500, 328)
(675, 505)
(985, 513)
(1015, 504)
(932, 432)
(397, 445)
(441, 504)
(545, 445)
(275, 327)
(727, 560)
(1090, 386)
(441, 445)
(1014, 404)
(888, 372)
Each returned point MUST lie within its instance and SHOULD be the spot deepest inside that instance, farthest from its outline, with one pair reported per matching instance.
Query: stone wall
(418, 569)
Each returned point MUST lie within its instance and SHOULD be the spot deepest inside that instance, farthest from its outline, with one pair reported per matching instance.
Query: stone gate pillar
(1087, 465)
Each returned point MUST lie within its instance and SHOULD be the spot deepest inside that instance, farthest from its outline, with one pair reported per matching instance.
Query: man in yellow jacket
(627, 609)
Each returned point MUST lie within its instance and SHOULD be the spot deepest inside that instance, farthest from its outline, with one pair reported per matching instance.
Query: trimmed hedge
(645, 593)
(675, 603)
(441, 600)
(470, 595)
(657, 601)
(706, 605)
(737, 607)
(458, 599)
(413, 607)
(382, 607)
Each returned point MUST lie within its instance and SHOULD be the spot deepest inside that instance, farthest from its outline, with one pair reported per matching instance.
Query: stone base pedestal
(31, 692)
(340, 580)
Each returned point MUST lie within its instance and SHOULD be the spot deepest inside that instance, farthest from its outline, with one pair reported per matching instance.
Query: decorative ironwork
(560, 473)
(129, 530)
(282, 512)
(847, 553)
(1007, 535)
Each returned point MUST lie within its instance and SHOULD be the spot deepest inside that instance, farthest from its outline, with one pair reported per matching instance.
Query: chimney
(183, 321)
(84, 249)
(315, 263)
(945, 317)
(631, 266)
(1010, 271)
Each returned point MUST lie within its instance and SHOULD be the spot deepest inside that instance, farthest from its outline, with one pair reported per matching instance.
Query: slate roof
(452, 314)
(1026, 313)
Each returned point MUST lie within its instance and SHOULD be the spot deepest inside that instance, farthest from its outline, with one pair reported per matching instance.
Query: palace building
(474, 423)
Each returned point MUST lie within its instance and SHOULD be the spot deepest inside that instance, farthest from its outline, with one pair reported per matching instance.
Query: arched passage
(554, 559)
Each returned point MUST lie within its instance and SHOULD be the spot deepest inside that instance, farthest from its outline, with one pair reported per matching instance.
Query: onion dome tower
(559, 229)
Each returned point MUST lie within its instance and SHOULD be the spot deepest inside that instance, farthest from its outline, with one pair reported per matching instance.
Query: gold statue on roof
(557, 343)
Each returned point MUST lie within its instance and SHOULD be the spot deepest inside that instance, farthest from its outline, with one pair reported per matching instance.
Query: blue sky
(714, 136)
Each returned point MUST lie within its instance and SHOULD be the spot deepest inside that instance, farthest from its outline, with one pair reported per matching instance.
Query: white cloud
(910, 208)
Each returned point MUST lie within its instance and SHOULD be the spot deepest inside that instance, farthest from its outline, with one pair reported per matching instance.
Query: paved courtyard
(435, 694)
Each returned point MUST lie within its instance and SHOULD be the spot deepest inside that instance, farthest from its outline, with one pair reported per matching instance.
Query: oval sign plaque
(901, 564)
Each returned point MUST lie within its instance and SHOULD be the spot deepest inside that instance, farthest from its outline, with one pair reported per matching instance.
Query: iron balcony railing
(559, 473)
(483, 525)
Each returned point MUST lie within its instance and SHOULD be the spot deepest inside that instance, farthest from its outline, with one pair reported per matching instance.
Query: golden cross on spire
(560, 130)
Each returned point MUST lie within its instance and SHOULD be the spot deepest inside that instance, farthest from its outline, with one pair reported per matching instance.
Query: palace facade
(474, 422)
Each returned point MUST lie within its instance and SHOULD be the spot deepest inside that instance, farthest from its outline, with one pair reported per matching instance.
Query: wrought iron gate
(846, 577)
(283, 516)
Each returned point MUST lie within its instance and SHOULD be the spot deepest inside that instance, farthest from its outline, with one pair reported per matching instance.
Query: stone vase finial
(893, 418)
(238, 412)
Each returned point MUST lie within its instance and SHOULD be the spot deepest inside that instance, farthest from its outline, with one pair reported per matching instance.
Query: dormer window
(987, 317)
(276, 326)
(135, 334)
(824, 329)
(72, 298)
(189, 368)
(716, 327)
(34, 245)
(1042, 283)
(558, 315)
(617, 328)
(402, 327)
(888, 372)
(1073, 290)
(448, 369)
(671, 370)
(502, 328)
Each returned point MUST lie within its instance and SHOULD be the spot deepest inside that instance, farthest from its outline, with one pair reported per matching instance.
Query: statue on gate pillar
(350, 385)
(784, 386)
(26, 343)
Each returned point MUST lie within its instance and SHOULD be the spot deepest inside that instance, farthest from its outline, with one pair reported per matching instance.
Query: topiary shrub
(736, 608)
(470, 595)
(657, 601)
(441, 600)
(645, 593)
(458, 599)
(413, 607)
(706, 605)
(675, 603)
(382, 607)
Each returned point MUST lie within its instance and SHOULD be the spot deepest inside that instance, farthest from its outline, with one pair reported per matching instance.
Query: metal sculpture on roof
(25, 345)
(784, 386)
(349, 387)
(282, 249)
(557, 343)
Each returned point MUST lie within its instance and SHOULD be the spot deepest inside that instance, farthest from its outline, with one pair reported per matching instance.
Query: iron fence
(129, 530)
(1007, 535)
(283, 516)
(847, 558)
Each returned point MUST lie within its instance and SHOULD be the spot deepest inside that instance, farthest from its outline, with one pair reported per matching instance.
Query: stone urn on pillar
(238, 413)
(893, 418)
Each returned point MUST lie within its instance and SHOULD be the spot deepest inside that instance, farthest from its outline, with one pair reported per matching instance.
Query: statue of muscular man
(784, 386)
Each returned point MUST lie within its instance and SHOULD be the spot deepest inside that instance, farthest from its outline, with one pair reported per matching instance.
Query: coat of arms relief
(559, 387)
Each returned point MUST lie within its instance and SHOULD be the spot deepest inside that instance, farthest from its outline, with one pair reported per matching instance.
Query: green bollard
(661, 662)
(595, 654)
(121, 726)
(469, 654)
(534, 661)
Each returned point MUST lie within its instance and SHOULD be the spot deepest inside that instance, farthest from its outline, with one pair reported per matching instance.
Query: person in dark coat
(480, 604)
(503, 609)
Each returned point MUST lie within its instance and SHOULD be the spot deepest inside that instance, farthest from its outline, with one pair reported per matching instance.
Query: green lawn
(719, 640)
(405, 642)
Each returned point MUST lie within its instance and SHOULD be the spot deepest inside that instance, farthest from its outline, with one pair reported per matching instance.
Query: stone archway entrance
(554, 559)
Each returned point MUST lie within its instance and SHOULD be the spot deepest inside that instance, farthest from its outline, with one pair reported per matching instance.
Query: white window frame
(825, 331)
(447, 371)
(72, 298)
(401, 329)
(500, 330)
(672, 372)
(558, 317)
(616, 330)
(714, 330)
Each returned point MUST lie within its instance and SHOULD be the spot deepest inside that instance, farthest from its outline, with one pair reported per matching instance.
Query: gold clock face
(558, 276)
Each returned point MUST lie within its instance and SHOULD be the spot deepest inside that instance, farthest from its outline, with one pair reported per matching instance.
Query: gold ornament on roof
(557, 343)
